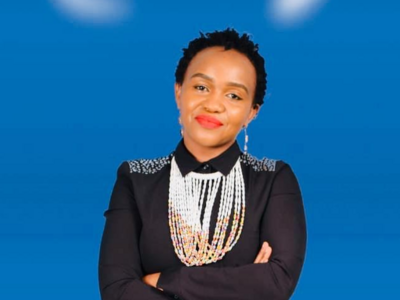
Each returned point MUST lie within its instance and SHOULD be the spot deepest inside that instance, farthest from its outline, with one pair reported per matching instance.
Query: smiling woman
(206, 221)
(217, 93)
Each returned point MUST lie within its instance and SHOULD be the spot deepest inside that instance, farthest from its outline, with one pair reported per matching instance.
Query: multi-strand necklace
(187, 194)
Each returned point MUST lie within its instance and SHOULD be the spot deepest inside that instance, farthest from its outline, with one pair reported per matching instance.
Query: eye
(234, 96)
(200, 87)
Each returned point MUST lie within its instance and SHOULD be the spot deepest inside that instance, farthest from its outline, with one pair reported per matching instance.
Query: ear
(178, 88)
(253, 113)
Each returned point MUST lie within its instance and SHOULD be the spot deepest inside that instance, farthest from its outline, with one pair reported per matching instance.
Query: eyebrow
(230, 83)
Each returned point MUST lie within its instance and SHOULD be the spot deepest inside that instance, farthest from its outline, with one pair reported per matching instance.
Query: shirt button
(176, 297)
(206, 166)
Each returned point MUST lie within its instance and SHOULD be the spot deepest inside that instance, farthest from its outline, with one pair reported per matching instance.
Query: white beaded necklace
(186, 197)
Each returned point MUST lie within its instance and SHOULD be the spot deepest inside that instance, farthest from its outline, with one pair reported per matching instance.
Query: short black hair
(229, 39)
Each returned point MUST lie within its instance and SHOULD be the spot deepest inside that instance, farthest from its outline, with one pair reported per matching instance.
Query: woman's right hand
(264, 254)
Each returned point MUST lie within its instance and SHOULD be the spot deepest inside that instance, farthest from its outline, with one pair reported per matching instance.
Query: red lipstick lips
(208, 122)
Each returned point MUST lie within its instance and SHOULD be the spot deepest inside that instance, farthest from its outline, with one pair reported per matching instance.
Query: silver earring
(246, 139)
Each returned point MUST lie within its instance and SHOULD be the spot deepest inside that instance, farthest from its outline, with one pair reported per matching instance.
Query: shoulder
(149, 166)
(263, 164)
(281, 172)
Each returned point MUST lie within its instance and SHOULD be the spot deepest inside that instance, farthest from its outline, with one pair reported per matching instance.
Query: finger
(267, 255)
(261, 253)
(259, 256)
(264, 257)
(267, 250)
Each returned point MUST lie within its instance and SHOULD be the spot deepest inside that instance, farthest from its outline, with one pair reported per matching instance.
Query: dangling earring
(246, 139)
(180, 122)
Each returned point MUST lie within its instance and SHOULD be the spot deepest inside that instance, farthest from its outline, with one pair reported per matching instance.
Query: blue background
(78, 98)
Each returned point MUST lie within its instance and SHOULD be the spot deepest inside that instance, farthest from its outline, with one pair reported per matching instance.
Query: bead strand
(190, 236)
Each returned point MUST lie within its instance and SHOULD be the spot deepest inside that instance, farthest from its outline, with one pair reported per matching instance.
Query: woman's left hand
(152, 279)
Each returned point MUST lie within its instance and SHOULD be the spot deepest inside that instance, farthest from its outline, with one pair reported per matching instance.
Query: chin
(211, 140)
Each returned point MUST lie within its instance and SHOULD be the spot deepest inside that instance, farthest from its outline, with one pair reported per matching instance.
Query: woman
(207, 221)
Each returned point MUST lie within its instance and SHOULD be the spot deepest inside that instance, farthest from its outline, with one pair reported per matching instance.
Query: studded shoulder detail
(264, 164)
(149, 166)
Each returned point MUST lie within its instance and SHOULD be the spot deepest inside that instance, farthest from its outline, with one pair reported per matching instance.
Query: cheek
(237, 116)
(189, 108)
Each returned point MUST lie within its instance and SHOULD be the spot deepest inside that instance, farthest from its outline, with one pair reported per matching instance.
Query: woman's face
(216, 97)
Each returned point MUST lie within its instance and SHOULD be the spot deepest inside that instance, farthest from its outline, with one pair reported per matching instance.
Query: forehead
(216, 61)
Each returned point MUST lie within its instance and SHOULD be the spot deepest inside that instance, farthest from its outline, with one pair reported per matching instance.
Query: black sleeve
(120, 272)
(283, 226)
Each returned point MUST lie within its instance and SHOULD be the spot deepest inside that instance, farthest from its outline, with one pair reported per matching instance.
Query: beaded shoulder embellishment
(149, 166)
(264, 164)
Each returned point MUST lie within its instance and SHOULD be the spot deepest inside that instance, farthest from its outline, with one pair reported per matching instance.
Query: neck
(204, 153)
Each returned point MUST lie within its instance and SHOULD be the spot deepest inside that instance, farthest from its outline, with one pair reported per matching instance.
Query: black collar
(222, 163)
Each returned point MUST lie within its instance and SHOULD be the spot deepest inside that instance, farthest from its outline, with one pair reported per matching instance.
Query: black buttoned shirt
(137, 240)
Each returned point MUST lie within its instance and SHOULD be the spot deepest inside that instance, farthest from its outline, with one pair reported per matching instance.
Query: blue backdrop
(85, 86)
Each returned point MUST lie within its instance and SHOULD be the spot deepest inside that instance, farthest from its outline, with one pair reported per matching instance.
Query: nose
(214, 102)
